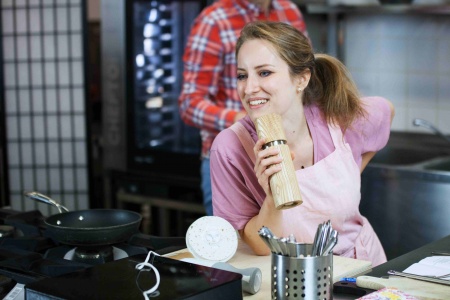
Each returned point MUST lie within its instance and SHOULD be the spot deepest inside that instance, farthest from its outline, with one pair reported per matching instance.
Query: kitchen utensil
(265, 239)
(276, 245)
(88, 228)
(325, 240)
(285, 250)
(323, 237)
(438, 276)
(251, 277)
(316, 240)
(332, 241)
(309, 276)
(272, 240)
(267, 231)
(434, 279)
(284, 185)
(292, 238)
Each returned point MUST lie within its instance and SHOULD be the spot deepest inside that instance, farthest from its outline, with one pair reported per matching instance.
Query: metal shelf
(377, 9)
(335, 15)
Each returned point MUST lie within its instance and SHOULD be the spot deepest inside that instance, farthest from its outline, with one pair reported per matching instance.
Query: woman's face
(264, 83)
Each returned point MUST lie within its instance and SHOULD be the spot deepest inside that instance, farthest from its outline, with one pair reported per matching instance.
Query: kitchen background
(52, 111)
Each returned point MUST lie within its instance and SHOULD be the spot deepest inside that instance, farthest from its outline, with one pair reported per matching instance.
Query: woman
(331, 132)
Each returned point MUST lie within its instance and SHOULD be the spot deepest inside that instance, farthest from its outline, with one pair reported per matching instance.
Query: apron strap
(337, 137)
(245, 138)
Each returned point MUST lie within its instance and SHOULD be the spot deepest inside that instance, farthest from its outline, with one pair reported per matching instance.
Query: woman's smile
(257, 102)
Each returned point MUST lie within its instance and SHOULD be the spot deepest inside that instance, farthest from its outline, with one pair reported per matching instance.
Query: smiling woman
(331, 132)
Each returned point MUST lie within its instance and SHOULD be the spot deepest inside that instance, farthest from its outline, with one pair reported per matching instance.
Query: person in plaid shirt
(209, 100)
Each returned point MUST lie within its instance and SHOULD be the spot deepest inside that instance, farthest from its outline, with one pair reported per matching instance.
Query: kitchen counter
(342, 267)
(244, 258)
(124, 282)
(417, 288)
(404, 261)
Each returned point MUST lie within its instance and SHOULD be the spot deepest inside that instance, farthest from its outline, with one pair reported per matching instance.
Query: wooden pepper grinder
(284, 185)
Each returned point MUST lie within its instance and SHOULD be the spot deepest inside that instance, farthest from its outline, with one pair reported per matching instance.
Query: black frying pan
(95, 227)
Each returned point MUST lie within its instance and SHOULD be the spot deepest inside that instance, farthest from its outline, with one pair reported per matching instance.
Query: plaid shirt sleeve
(203, 66)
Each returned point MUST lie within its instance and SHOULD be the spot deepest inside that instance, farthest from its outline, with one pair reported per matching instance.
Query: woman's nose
(252, 85)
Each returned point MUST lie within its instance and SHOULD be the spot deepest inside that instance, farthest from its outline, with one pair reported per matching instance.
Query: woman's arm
(366, 157)
(267, 163)
(268, 216)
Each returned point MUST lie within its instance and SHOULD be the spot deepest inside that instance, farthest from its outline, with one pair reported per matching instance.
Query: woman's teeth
(257, 102)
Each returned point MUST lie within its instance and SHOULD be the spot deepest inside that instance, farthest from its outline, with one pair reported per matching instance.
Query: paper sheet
(431, 266)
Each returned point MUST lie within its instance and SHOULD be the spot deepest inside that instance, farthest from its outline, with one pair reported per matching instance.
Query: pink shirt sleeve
(370, 134)
(237, 195)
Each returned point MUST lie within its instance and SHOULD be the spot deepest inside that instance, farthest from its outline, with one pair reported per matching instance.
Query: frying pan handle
(45, 199)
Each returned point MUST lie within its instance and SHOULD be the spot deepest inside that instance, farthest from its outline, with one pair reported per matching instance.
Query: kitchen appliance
(142, 68)
(179, 280)
(28, 255)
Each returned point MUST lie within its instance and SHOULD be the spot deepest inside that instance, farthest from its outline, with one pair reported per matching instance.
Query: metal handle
(418, 277)
(251, 277)
(45, 199)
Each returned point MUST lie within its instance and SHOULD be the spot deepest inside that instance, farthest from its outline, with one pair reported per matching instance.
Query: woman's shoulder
(230, 141)
(377, 110)
(226, 137)
(377, 113)
(229, 136)
(376, 105)
(373, 128)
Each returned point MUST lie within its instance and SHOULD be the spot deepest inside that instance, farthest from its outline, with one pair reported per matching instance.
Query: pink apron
(331, 191)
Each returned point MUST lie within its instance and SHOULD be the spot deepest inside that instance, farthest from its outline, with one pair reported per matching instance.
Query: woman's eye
(265, 73)
(241, 76)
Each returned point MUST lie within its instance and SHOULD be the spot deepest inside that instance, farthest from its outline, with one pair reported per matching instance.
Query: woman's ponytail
(333, 90)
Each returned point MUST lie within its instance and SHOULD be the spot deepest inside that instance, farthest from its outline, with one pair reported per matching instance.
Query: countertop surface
(244, 258)
(404, 261)
(342, 267)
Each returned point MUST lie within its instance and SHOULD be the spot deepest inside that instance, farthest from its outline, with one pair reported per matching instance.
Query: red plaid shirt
(209, 99)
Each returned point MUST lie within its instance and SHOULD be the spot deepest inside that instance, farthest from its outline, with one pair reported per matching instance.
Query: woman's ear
(303, 79)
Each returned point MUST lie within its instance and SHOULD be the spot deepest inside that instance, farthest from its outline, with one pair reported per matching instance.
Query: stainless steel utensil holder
(302, 277)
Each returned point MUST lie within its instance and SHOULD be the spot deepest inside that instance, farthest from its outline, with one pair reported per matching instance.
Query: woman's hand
(267, 163)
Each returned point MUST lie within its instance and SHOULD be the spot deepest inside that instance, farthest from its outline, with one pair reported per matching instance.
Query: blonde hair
(330, 87)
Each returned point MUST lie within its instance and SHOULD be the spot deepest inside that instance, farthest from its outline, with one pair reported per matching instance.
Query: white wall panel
(405, 58)
(44, 93)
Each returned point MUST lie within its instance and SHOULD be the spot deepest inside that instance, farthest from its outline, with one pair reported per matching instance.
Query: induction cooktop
(121, 280)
